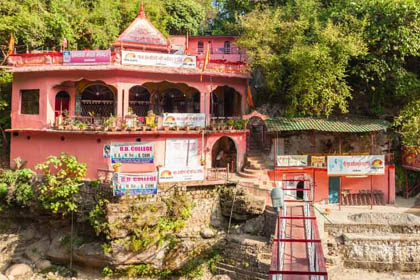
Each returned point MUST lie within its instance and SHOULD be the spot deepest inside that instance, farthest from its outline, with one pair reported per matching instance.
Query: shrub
(63, 177)
(16, 187)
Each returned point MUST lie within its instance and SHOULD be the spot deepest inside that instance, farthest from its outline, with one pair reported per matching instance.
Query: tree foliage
(303, 58)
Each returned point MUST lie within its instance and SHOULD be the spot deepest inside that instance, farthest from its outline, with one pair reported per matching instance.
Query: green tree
(184, 16)
(303, 57)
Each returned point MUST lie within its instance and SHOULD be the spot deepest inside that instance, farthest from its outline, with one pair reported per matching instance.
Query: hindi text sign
(86, 57)
(158, 59)
(356, 165)
(181, 174)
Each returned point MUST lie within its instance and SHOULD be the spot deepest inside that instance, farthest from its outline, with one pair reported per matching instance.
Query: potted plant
(82, 126)
(166, 128)
(124, 126)
(144, 127)
(241, 124)
(231, 124)
(187, 128)
(116, 167)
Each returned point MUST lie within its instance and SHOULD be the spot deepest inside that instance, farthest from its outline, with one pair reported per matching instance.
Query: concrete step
(248, 176)
(251, 171)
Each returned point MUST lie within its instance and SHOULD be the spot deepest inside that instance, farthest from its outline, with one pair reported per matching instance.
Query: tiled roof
(343, 125)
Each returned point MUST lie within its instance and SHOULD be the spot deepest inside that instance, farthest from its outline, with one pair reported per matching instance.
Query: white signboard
(134, 184)
(132, 152)
(356, 165)
(182, 120)
(289, 160)
(181, 152)
(158, 59)
(181, 174)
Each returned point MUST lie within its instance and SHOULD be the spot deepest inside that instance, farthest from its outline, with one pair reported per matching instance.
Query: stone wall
(382, 253)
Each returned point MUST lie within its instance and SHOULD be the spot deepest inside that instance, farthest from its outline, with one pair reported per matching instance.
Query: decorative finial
(141, 10)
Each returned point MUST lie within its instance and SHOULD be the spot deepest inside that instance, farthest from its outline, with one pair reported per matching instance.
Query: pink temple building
(80, 102)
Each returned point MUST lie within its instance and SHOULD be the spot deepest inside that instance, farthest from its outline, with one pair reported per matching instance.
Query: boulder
(43, 264)
(181, 254)
(245, 205)
(207, 233)
(19, 270)
(59, 249)
(2, 277)
(153, 255)
(28, 234)
(91, 254)
(254, 226)
(37, 250)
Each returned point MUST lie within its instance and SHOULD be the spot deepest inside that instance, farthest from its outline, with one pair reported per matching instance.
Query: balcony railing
(138, 123)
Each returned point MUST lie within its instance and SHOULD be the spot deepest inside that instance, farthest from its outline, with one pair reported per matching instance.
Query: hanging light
(97, 93)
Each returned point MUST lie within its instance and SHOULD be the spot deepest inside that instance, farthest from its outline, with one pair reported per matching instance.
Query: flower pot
(166, 128)
(187, 128)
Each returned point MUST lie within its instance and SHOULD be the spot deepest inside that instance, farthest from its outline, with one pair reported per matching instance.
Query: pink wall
(217, 45)
(47, 82)
(385, 183)
(86, 148)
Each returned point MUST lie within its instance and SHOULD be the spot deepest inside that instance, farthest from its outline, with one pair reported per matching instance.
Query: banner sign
(356, 165)
(182, 120)
(158, 59)
(181, 174)
(318, 161)
(410, 157)
(86, 57)
(296, 160)
(134, 184)
(181, 152)
(132, 152)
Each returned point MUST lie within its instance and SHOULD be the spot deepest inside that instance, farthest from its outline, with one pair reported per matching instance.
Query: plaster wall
(37, 146)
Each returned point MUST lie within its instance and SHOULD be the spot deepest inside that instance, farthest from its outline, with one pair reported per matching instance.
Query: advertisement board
(182, 120)
(356, 165)
(132, 152)
(318, 161)
(86, 57)
(292, 160)
(134, 184)
(181, 174)
(181, 152)
(158, 59)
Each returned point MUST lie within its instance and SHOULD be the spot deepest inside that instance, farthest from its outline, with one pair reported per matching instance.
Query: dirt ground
(336, 215)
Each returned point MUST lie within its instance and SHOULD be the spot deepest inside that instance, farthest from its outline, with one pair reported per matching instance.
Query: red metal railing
(315, 257)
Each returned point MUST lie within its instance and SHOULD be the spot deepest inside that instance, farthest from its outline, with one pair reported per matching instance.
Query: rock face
(254, 226)
(245, 205)
(37, 250)
(59, 251)
(19, 270)
(91, 254)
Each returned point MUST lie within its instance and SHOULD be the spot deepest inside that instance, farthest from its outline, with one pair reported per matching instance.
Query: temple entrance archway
(139, 100)
(62, 103)
(225, 102)
(224, 153)
(99, 99)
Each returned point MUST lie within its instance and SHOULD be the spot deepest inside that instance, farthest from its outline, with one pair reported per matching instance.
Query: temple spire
(141, 10)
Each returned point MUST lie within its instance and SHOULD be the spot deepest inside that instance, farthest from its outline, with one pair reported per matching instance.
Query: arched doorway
(99, 99)
(62, 103)
(139, 100)
(225, 102)
(256, 137)
(224, 153)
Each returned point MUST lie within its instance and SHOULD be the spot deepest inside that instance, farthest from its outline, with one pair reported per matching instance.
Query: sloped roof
(141, 34)
(339, 125)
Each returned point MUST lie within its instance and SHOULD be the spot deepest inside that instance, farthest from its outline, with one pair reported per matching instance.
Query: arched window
(200, 47)
(227, 47)
(174, 101)
(139, 100)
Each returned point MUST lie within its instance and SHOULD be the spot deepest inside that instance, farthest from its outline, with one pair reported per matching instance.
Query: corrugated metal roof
(343, 125)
